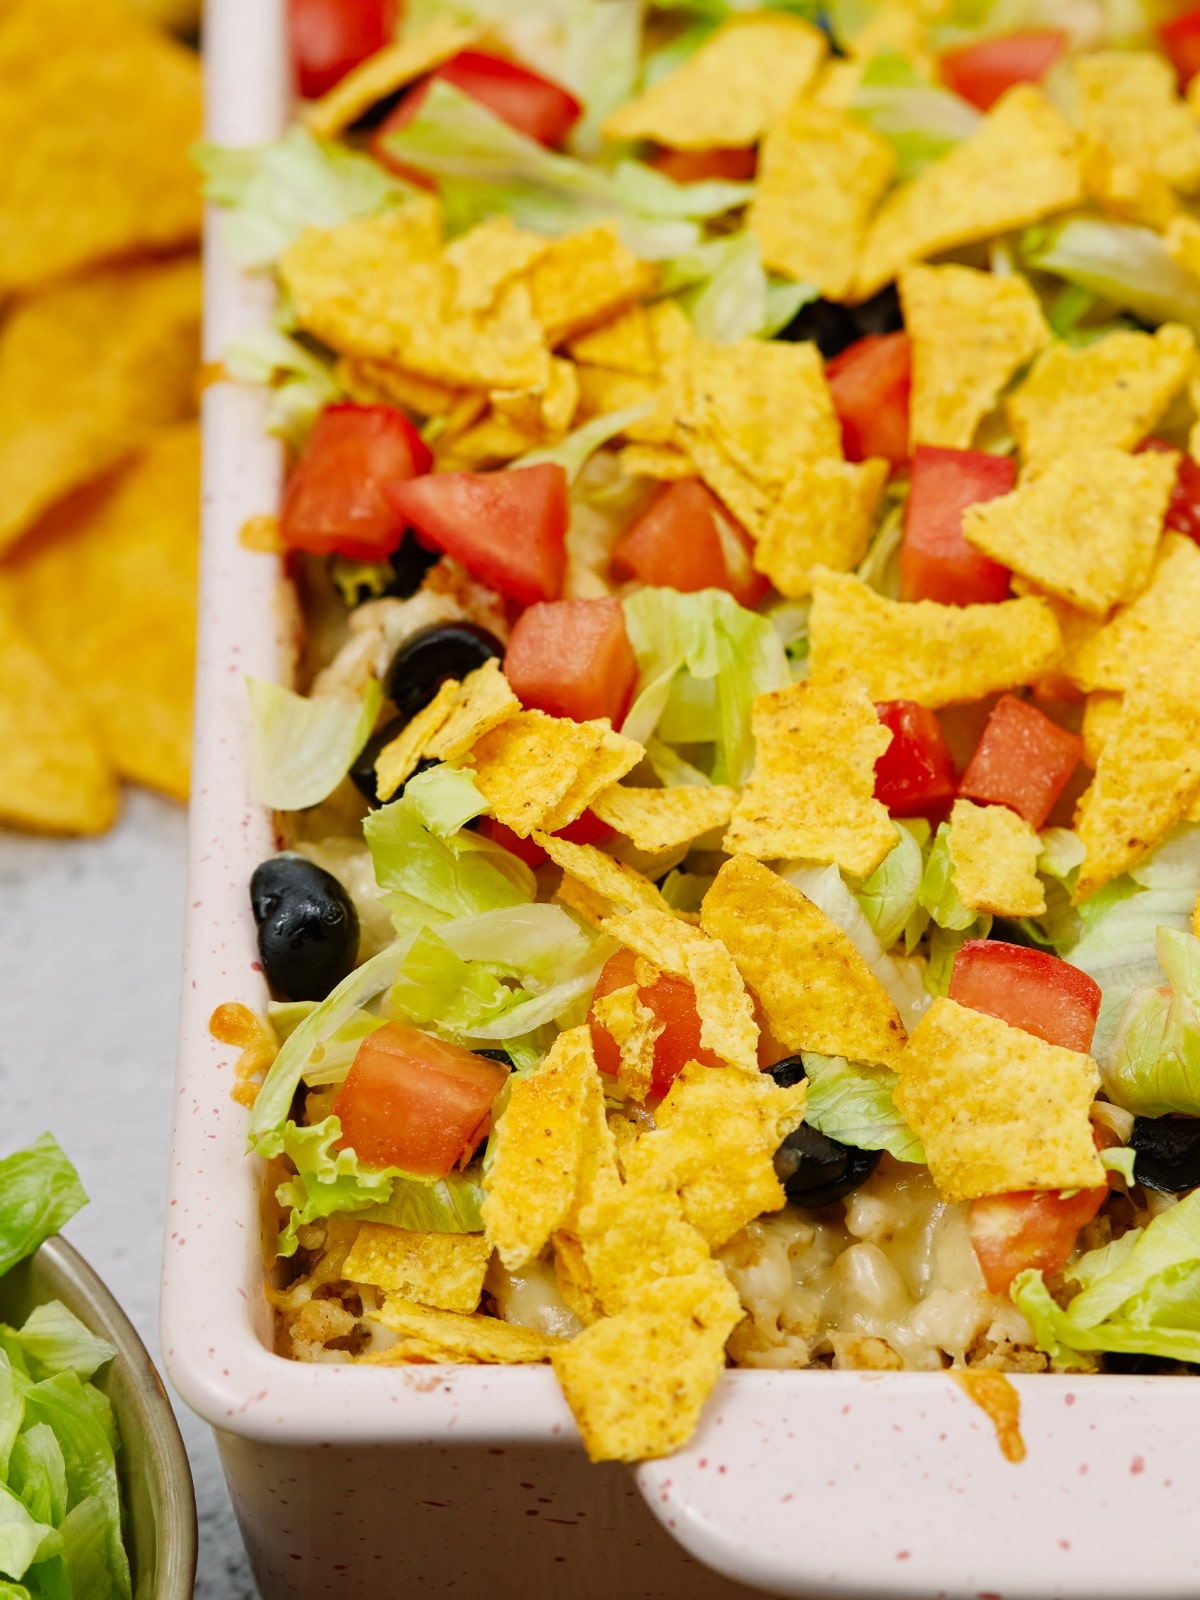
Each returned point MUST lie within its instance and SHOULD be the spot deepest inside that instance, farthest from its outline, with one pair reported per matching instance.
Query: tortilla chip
(815, 990)
(547, 411)
(1128, 190)
(107, 588)
(1021, 164)
(635, 1236)
(739, 492)
(1086, 528)
(661, 819)
(821, 173)
(602, 390)
(585, 279)
(655, 934)
(1181, 241)
(53, 775)
(431, 1335)
(373, 383)
(482, 703)
(1161, 627)
(1111, 392)
(637, 1382)
(538, 771)
(731, 90)
(618, 885)
(598, 1174)
(997, 1109)
(492, 442)
(87, 372)
(1128, 105)
(812, 793)
(635, 1030)
(385, 73)
(1146, 778)
(823, 518)
(934, 654)
(538, 1145)
(488, 257)
(399, 759)
(662, 462)
(1100, 714)
(98, 115)
(994, 853)
(971, 332)
(444, 1270)
(726, 1011)
(623, 344)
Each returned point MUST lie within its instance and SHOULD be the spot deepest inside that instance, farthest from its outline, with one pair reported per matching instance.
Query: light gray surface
(91, 935)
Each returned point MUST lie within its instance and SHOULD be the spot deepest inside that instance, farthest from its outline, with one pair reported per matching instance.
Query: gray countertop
(91, 935)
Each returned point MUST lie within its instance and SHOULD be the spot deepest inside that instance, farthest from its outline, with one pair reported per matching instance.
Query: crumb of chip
(635, 1030)
(996, 1108)
(823, 518)
(661, 819)
(385, 73)
(727, 1024)
(444, 1270)
(994, 853)
(400, 757)
(1161, 626)
(452, 1337)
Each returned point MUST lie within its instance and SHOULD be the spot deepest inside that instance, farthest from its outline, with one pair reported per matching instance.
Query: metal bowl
(156, 1481)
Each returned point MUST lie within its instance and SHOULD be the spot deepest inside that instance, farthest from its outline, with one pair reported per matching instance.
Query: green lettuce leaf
(1123, 264)
(39, 1192)
(22, 1540)
(737, 300)
(601, 52)
(37, 1473)
(54, 1340)
(436, 990)
(889, 897)
(944, 945)
(854, 1103)
(444, 798)
(936, 893)
(303, 746)
(573, 453)
(1153, 1067)
(301, 383)
(920, 122)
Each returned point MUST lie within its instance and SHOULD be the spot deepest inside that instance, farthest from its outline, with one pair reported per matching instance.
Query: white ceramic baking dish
(812, 1484)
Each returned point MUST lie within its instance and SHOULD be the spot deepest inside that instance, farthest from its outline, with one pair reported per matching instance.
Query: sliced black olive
(410, 562)
(788, 1072)
(426, 660)
(399, 576)
(880, 314)
(814, 1169)
(1138, 1365)
(307, 926)
(495, 1055)
(829, 326)
(1168, 1152)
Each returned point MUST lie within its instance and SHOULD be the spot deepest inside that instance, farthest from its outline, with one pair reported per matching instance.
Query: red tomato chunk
(673, 1002)
(936, 562)
(329, 37)
(507, 528)
(1022, 761)
(982, 72)
(415, 1102)
(686, 540)
(914, 777)
(334, 501)
(1010, 1232)
(1181, 40)
(572, 658)
(1183, 508)
(586, 829)
(698, 166)
(1028, 989)
(870, 384)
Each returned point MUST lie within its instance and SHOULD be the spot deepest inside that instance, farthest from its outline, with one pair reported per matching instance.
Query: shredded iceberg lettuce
(302, 746)
(1153, 1067)
(444, 798)
(889, 898)
(920, 122)
(937, 893)
(854, 1104)
(602, 44)
(39, 1192)
(1119, 262)
(301, 383)
(573, 453)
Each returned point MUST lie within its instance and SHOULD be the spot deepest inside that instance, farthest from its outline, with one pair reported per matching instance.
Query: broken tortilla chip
(483, 701)
(823, 518)
(443, 1270)
(373, 383)
(1144, 639)
(399, 759)
(625, 343)
(636, 1235)
(661, 462)
(538, 771)
(1129, 106)
(618, 885)
(385, 73)
(584, 279)
(726, 1011)
(661, 819)
(656, 935)
(431, 1335)
(635, 1030)
(994, 853)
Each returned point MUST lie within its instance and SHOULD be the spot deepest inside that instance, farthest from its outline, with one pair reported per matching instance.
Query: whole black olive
(427, 659)
(362, 772)
(1168, 1152)
(880, 314)
(814, 1169)
(307, 926)
(829, 326)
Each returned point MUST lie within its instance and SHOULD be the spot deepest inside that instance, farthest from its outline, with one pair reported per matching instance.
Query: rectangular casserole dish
(818, 1483)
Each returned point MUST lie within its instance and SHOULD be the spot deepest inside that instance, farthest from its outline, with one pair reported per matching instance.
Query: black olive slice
(1168, 1152)
(427, 659)
(814, 1169)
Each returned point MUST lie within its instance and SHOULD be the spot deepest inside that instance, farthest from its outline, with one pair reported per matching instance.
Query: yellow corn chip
(731, 90)
(1160, 627)
(635, 1030)
(823, 519)
(614, 757)
(399, 759)
(663, 462)
(444, 1270)
(572, 1278)
(532, 1180)
(534, 769)
(1019, 165)
(602, 390)
(385, 73)
(1111, 392)
(1129, 190)
(812, 793)
(742, 496)
(997, 1109)
(816, 991)
(1086, 528)
(371, 383)
(1146, 778)
(660, 819)
(449, 1336)
(934, 654)
(491, 442)
(87, 372)
(994, 853)
(1128, 106)
(655, 934)
(1181, 241)
(598, 1174)
(971, 332)
(895, 27)
(726, 1011)
(1100, 714)
(107, 587)
(585, 279)
(98, 114)
(637, 1382)
(546, 411)
(617, 884)
(623, 344)
(482, 703)
(820, 174)
(634, 1236)
(490, 256)
(53, 774)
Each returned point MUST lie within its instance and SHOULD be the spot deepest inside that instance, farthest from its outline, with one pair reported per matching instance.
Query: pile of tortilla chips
(99, 455)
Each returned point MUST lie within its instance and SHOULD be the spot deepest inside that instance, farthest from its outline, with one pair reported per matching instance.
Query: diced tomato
(673, 1002)
(982, 72)
(572, 658)
(1181, 40)
(698, 166)
(1028, 989)
(328, 37)
(869, 383)
(415, 1102)
(586, 829)
(508, 528)
(1023, 761)
(686, 540)
(535, 106)
(914, 777)
(334, 500)
(936, 562)
(1033, 1228)
(1183, 508)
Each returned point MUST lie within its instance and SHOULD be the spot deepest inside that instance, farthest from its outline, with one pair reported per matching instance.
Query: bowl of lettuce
(96, 1498)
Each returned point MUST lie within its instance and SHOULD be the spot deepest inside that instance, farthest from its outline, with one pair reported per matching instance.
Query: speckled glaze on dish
(809, 1484)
